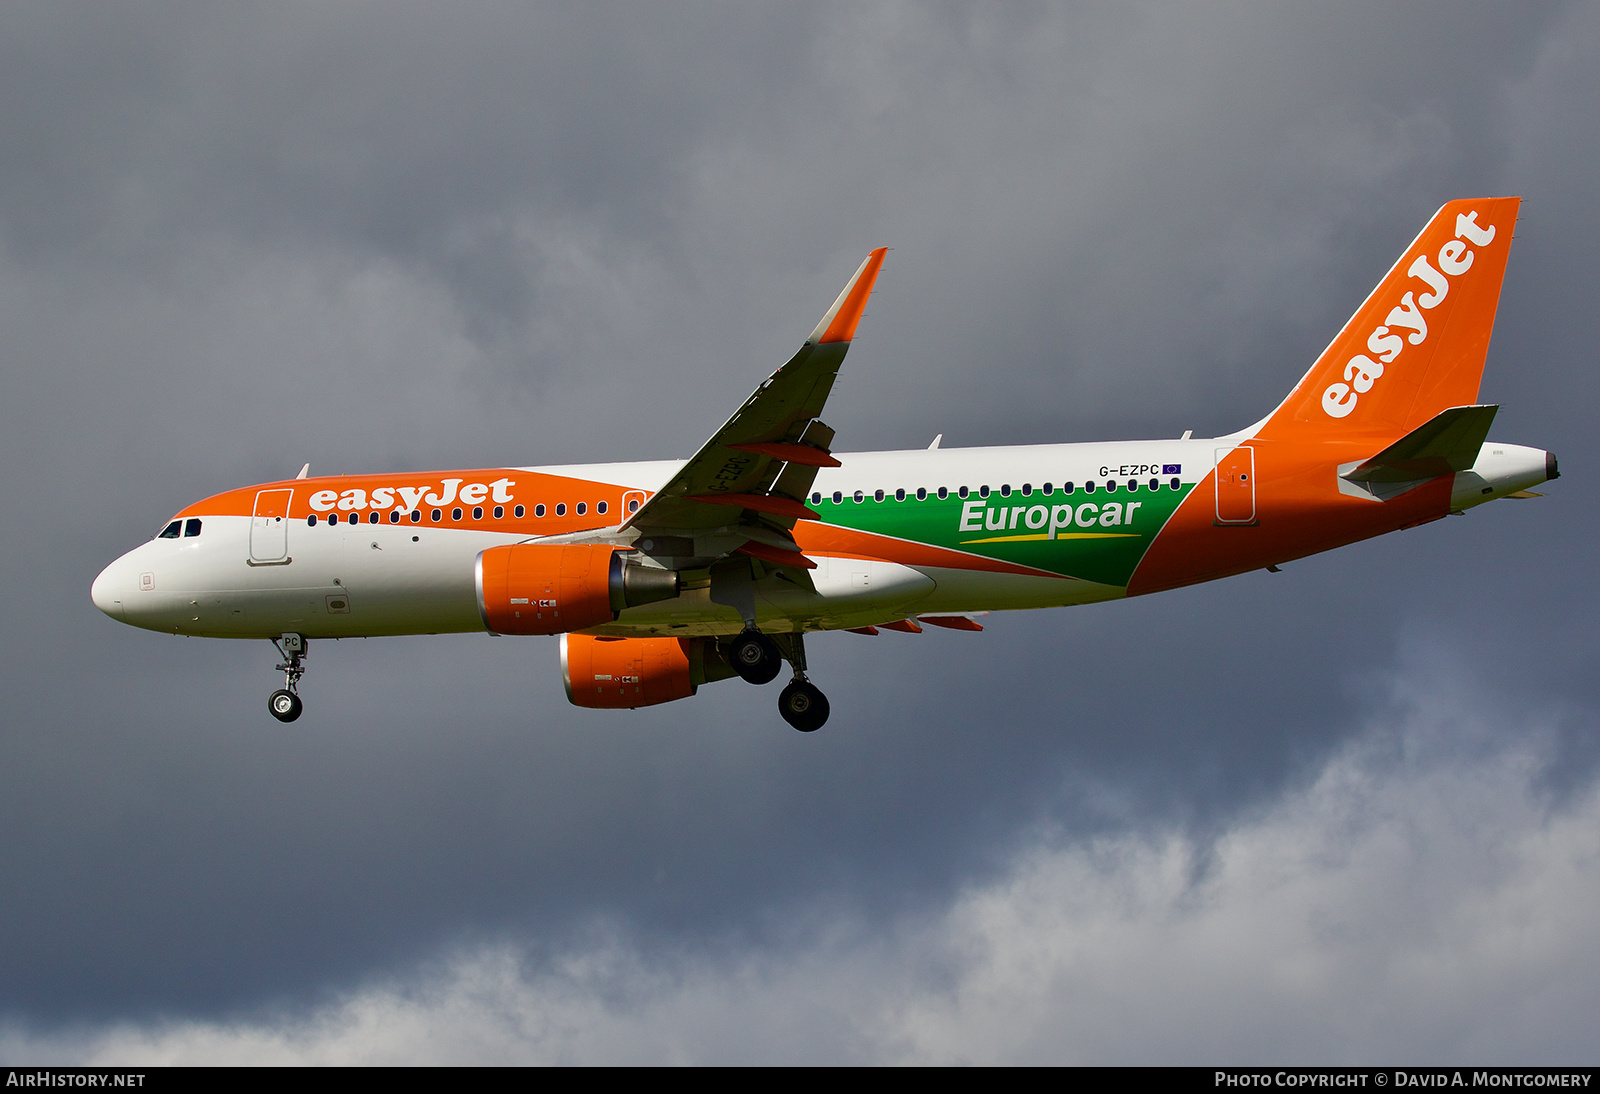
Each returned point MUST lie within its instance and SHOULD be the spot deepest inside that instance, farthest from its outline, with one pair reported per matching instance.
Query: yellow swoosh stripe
(1039, 536)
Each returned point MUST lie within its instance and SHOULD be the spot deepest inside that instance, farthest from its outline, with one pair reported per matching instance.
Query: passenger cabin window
(922, 493)
(961, 493)
(519, 510)
(499, 511)
(582, 508)
(477, 512)
(816, 497)
(944, 492)
(171, 531)
(983, 491)
(191, 527)
(312, 520)
(600, 507)
(877, 495)
(838, 497)
(561, 508)
(538, 510)
(900, 494)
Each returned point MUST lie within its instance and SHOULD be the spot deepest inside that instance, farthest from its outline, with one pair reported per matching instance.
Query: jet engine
(538, 588)
(611, 673)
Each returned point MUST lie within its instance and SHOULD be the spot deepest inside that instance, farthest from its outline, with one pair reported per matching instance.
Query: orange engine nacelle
(611, 673)
(536, 588)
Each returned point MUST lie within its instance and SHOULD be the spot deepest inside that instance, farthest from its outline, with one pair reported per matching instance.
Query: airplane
(660, 577)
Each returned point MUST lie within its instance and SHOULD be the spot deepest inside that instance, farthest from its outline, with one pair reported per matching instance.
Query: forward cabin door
(269, 526)
(1236, 485)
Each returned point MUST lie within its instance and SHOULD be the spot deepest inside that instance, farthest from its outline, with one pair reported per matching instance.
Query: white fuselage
(349, 580)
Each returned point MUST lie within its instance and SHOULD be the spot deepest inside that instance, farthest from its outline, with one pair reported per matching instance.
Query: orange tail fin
(1417, 345)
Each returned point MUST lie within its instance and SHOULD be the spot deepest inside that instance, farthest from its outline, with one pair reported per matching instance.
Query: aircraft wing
(751, 478)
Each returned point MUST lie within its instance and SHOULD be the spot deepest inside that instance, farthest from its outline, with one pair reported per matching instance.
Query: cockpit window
(191, 527)
(171, 531)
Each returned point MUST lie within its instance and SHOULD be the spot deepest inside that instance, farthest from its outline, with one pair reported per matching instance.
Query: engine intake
(536, 588)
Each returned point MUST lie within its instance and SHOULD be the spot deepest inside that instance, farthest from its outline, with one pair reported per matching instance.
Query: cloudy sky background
(1345, 813)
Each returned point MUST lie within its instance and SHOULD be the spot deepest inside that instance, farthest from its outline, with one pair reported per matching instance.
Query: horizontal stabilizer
(1447, 443)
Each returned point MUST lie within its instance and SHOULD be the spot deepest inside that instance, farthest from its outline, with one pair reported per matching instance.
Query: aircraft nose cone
(106, 592)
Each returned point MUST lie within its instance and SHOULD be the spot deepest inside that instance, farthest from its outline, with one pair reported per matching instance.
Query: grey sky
(376, 237)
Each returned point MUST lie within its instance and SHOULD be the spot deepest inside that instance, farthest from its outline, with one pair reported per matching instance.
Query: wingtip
(839, 325)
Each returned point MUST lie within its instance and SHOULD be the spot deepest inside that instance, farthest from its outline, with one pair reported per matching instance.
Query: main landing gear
(803, 705)
(285, 703)
(757, 658)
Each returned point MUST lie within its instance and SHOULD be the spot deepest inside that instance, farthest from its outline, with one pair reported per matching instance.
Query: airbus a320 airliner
(660, 577)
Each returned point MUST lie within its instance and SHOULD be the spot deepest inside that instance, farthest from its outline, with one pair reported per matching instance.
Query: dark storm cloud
(371, 238)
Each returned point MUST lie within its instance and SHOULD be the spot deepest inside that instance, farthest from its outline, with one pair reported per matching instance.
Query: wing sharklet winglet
(839, 325)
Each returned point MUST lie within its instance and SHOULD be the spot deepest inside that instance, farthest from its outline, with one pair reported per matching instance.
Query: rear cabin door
(1236, 485)
(269, 526)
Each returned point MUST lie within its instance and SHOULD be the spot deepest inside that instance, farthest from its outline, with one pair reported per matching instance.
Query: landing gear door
(269, 526)
(1236, 485)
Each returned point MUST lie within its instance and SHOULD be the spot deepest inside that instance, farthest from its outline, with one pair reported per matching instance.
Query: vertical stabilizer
(1416, 347)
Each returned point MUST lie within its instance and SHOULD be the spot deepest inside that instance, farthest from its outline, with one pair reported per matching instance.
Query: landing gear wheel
(285, 705)
(755, 658)
(803, 706)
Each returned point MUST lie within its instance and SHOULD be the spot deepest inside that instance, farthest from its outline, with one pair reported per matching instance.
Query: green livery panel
(1096, 536)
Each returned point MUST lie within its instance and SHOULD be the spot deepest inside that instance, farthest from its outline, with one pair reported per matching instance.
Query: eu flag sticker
(1172, 469)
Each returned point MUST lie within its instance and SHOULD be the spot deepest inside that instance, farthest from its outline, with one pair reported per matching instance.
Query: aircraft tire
(755, 658)
(803, 706)
(284, 705)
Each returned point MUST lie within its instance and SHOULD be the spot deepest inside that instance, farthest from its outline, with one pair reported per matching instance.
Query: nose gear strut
(285, 703)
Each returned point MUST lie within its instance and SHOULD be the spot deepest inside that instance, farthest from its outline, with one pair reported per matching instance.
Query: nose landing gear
(285, 703)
